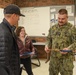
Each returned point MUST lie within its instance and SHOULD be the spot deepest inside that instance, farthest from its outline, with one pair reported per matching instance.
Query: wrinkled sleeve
(73, 37)
(49, 39)
(20, 46)
(31, 47)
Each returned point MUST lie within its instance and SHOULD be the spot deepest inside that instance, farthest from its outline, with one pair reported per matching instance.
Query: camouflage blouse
(62, 37)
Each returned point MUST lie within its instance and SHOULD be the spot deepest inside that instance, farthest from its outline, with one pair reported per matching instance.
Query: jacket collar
(11, 28)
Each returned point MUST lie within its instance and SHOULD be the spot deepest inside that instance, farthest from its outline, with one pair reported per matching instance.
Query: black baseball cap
(11, 9)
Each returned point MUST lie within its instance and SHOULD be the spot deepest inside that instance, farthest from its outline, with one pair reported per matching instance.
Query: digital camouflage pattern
(57, 39)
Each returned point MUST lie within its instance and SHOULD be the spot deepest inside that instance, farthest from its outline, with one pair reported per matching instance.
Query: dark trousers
(27, 65)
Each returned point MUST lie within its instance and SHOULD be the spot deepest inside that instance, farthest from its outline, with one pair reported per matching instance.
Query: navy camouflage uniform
(57, 39)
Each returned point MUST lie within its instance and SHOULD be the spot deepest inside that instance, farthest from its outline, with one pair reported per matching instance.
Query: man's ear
(13, 16)
(67, 16)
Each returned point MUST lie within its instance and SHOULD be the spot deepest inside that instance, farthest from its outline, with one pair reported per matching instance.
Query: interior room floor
(43, 69)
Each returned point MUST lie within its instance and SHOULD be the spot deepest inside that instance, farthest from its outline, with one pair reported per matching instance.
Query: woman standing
(25, 45)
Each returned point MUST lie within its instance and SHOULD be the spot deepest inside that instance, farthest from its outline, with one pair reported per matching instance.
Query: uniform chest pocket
(55, 34)
(66, 34)
(61, 34)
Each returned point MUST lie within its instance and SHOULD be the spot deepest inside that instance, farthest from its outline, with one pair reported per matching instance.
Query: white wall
(1, 15)
(36, 20)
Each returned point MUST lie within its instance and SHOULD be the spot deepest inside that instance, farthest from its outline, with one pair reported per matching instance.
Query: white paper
(53, 10)
(71, 14)
(56, 15)
(69, 9)
(52, 16)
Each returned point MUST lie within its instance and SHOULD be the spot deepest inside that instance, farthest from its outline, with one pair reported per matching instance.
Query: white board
(36, 20)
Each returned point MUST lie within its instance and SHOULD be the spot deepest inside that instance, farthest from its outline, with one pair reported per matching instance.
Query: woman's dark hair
(18, 30)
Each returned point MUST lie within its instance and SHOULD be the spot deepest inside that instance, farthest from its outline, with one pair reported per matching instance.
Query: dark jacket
(4, 70)
(9, 54)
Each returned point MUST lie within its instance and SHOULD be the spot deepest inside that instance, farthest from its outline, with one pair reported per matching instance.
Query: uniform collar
(63, 25)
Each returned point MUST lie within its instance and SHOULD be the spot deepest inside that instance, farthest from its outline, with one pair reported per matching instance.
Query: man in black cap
(9, 55)
(12, 9)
